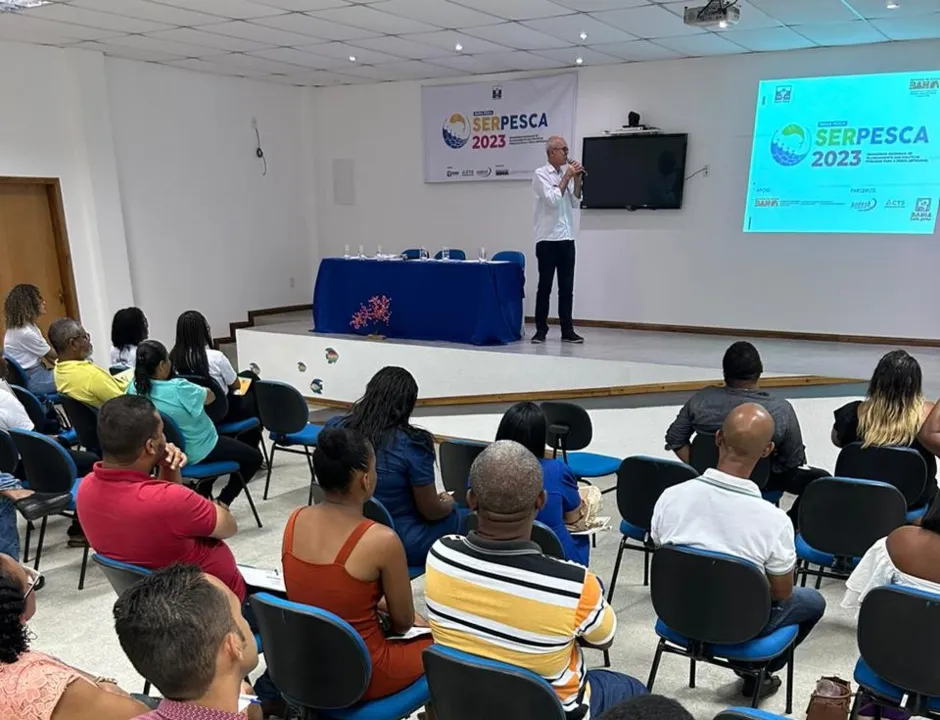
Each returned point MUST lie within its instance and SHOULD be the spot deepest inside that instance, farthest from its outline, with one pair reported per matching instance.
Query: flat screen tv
(634, 171)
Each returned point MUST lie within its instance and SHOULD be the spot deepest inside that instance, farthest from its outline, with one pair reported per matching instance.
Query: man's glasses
(34, 580)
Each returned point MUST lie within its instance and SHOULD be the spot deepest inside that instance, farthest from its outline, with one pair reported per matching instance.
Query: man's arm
(225, 524)
(549, 191)
(781, 586)
(578, 176)
(791, 452)
(679, 434)
(597, 621)
(780, 564)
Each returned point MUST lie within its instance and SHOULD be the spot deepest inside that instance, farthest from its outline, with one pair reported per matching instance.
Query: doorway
(34, 246)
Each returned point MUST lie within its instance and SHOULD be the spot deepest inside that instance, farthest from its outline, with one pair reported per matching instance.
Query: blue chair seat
(69, 437)
(78, 481)
(258, 642)
(756, 650)
(400, 705)
(880, 687)
(772, 496)
(916, 513)
(805, 551)
(415, 571)
(632, 531)
(591, 465)
(204, 470)
(307, 436)
(755, 713)
(238, 426)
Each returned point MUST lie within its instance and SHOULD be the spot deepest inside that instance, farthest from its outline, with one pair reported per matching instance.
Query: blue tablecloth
(466, 302)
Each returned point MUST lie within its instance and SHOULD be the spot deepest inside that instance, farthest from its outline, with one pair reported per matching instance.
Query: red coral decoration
(377, 311)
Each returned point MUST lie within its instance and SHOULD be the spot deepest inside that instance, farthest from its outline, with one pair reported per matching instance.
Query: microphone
(584, 173)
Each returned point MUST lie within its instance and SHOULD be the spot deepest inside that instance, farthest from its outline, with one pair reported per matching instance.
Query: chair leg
(146, 687)
(310, 494)
(251, 501)
(790, 680)
(819, 577)
(42, 536)
(856, 702)
(758, 686)
(653, 670)
(267, 480)
(81, 577)
(29, 531)
(805, 572)
(607, 658)
(646, 567)
(264, 449)
(613, 580)
(691, 672)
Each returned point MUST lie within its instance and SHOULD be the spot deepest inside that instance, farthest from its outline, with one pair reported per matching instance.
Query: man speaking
(554, 189)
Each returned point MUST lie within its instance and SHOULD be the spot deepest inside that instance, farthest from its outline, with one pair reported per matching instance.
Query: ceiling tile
(326, 79)
(637, 51)
(910, 28)
(856, 32)
(128, 53)
(365, 72)
(437, 12)
(598, 5)
(217, 69)
(145, 42)
(293, 56)
(343, 51)
(402, 48)
(302, 5)
(800, 12)
(569, 56)
(373, 20)
(751, 17)
(517, 9)
(878, 9)
(518, 36)
(27, 24)
(33, 35)
(208, 39)
(570, 28)
(649, 21)
(315, 27)
(473, 64)
(258, 33)
(411, 70)
(93, 18)
(237, 9)
(448, 40)
(769, 39)
(518, 60)
(703, 44)
(253, 62)
(146, 10)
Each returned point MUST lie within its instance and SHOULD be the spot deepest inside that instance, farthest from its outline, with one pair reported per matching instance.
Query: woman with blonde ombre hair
(892, 414)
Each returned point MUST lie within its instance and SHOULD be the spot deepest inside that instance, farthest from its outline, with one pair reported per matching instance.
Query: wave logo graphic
(790, 145)
(456, 131)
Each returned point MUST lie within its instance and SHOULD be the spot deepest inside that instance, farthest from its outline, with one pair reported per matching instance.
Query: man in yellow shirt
(75, 375)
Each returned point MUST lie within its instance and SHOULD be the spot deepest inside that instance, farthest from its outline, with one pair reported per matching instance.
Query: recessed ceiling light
(352, 58)
(723, 24)
(583, 35)
(579, 61)
(458, 47)
(892, 4)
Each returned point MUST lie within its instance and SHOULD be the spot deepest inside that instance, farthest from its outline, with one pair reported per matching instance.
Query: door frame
(63, 252)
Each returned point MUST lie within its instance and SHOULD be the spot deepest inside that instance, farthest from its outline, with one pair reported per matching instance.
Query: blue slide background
(881, 188)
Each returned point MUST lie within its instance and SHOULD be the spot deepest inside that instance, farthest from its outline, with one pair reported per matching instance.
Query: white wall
(690, 267)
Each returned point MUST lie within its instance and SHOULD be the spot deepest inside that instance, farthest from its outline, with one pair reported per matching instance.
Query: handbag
(831, 699)
(590, 505)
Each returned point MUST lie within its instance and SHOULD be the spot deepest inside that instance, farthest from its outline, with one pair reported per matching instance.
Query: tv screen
(634, 171)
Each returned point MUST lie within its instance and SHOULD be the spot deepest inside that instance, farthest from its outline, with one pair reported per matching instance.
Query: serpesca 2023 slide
(846, 154)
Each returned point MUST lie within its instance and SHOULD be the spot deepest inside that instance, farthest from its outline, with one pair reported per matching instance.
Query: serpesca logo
(790, 145)
(456, 131)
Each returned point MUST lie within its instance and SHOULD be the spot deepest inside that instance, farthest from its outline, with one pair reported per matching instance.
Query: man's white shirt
(553, 215)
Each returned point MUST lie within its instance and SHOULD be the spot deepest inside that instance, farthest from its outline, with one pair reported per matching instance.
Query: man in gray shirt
(707, 409)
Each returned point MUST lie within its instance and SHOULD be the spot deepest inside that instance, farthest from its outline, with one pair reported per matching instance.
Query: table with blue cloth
(479, 303)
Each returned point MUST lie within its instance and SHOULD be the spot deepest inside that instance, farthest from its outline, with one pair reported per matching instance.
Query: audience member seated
(525, 423)
(185, 403)
(75, 374)
(723, 511)
(893, 413)
(404, 458)
(193, 354)
(13, 415)
(34, 686)
(910, 555)
(184, 631)
(129, 328)
(23, 340)
(707, 409)
(648, 707)
(337, 560)
(494, 594)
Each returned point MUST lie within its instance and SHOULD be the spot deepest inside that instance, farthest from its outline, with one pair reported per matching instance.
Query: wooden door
(33, 246)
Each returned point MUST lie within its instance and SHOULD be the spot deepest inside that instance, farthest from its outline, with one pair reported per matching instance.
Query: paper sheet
(263, 578)
(600, 523)
(414, 632)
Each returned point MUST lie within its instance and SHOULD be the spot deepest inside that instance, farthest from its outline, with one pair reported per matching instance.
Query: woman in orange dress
(337, 560)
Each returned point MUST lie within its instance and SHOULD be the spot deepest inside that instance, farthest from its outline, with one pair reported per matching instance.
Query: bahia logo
(456, 131)
(790, 145)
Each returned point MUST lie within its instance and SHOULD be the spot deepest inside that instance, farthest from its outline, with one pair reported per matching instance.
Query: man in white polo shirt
(723, 511)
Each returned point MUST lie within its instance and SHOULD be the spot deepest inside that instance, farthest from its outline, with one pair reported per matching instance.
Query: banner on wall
(493, 131)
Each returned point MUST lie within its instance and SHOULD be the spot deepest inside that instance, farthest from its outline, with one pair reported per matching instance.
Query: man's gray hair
(506, 478)
(62, 332)
(553, 140)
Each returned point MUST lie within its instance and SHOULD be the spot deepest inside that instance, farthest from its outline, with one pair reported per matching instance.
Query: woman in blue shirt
(525, 423)
(185, 403)
(404, 459)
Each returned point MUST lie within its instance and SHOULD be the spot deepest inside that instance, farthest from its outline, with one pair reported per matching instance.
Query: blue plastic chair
(570, 430)
(412, 254)
(37, 414)
(19, 377)
(204, 471)
(299, 638)
(218, 409)
(746, 713)
(377, 512)
(455, 679)
(455, 254)
(902, 467)
(712, 607)
(513, 256)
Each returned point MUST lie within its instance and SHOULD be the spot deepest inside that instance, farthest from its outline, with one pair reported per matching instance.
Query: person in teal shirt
(185, 403)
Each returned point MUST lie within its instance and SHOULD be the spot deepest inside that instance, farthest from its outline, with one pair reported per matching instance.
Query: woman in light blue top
(184, 402)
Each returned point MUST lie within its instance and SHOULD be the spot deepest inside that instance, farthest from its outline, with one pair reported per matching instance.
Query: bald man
(723, 511)
(556, 185)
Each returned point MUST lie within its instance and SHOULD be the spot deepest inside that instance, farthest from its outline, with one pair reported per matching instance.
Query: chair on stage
(412, 254)
(455, 254)
(513, 256)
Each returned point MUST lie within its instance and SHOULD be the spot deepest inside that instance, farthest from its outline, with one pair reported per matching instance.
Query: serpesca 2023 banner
(494, 130)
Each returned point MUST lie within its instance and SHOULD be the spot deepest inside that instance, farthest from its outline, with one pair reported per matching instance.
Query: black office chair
(297, 638)
(902, 467)
(570, 430)
(542, 535)
(898, 640)
(455, 680)
(840, 518)
(456, 458)
(118, 369)
(84, 419)
(218, 409)
(9, 456)
(41, 421)
(711, 607)
(284, 413)
(704, 455)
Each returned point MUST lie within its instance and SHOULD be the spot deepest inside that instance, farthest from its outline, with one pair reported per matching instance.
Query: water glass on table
(482, 254)
(423, 254)
(378, 253)
(362, 253)
(346, 252)
(445, 253)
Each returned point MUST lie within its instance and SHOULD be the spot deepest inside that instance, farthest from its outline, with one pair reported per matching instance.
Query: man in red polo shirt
(132, 517)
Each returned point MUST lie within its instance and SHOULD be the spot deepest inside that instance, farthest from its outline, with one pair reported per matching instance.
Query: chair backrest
(316, 659)
(218, 408)
(731, 596)
(899, 637)
(31, 404)
(704, 455)
(902, 467)
(281, 407)
(542, 535)
(118, 369)
(121, 575)
(411, 254)
(9, 456)
(84, 419)
(455, 254)
(569, 425)
(455, 680)
(172, 432)
(49, 468)
(511, 256)
(17, 375)
(640, 482)
(456, 458)
(374, 510)
(845, 516)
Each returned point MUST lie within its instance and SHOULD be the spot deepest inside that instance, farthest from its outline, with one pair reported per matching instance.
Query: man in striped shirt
(494, 594)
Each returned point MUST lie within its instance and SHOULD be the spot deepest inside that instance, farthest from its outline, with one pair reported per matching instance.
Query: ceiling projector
(716, 14)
